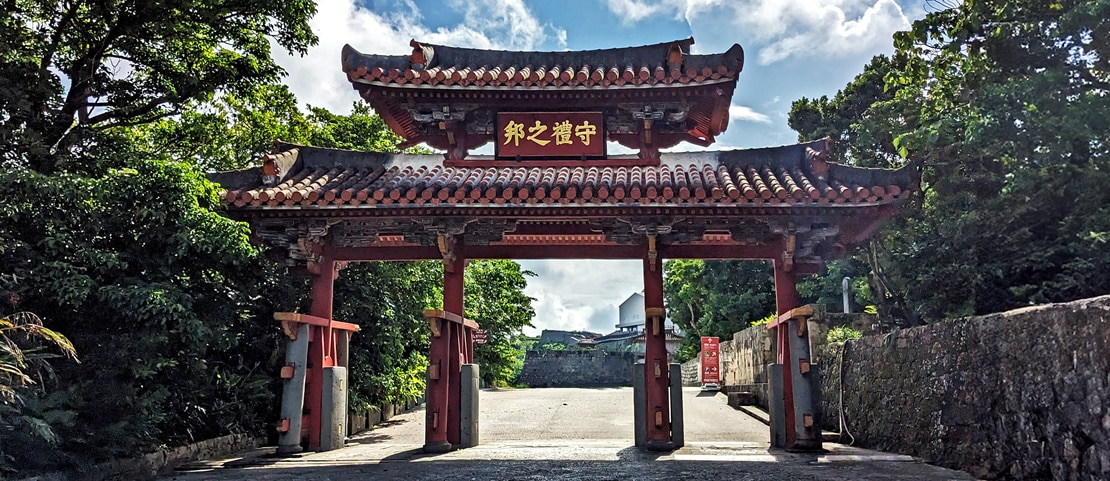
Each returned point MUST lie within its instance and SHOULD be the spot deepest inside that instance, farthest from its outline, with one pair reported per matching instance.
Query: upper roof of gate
(650, 97)
(661, 64)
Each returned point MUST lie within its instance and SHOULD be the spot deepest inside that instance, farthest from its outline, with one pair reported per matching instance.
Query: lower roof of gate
(754, 204)
(791, 176)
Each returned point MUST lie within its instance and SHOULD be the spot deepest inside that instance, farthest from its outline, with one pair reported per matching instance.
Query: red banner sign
(710, 360)
(481, 336)
(550, 134)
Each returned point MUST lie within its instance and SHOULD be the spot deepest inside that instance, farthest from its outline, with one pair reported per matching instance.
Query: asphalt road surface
(540, 434)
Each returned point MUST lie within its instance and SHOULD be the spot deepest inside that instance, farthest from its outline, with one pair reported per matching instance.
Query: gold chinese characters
(562, 133)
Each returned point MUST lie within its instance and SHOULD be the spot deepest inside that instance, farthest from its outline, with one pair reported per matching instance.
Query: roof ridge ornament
(675, 55)
(422, 55)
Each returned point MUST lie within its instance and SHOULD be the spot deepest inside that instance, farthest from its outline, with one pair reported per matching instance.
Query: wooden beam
(449, 316)
(628, 251)
(315, 321)
(803, 312)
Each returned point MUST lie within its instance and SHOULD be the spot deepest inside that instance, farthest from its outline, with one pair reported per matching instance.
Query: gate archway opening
(550, 193)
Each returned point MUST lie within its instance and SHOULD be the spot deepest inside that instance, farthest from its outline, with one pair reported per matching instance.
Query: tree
(388, 357)
(73, 67)
(157, 290)
(495, 299)
(716, 298)
(1003, 105)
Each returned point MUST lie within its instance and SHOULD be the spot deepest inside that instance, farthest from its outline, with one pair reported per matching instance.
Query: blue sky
(793, 49)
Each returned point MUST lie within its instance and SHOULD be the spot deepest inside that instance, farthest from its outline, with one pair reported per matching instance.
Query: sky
(793, 49)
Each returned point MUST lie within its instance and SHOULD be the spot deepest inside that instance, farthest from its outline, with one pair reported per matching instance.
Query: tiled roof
(437, 65)
(784, 176)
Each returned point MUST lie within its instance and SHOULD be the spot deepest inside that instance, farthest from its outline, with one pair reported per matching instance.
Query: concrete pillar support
(292, 394)
(656, 367)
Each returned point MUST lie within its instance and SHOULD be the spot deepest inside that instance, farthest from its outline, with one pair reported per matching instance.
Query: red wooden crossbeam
(449, 316)
(795, 313)
(315, 321)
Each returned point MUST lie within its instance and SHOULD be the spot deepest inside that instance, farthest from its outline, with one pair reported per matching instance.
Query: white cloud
(576, 295)
(780, 30)
(316, 78)
(742, 113)
(632, 11)
(819, 28)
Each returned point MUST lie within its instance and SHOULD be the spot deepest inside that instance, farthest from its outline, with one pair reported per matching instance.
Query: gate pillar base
(438, 448)
(660, 446)
(283, 450)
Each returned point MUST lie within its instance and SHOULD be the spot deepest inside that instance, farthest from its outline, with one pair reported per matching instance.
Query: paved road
(572, 434)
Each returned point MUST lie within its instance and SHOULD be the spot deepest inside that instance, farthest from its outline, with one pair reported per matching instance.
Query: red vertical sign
(710, 360)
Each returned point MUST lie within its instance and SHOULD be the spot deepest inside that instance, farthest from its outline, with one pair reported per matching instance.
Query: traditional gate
(552, 192)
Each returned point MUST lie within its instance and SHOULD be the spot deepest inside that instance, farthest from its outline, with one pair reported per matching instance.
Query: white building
(630, 315)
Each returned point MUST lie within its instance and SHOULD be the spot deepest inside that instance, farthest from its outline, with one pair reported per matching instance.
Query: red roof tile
(780, 176)
(438, 65)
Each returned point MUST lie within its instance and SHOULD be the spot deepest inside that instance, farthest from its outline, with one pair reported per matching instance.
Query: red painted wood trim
(415, 253)
(485, 163)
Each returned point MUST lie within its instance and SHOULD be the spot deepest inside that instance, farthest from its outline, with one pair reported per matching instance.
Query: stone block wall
(577, 368)
(691, 372)
(1023, 394)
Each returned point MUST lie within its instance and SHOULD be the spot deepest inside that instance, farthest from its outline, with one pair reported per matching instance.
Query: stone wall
(162, 462)
(1023, 394)
(577, 368)
(691, 372)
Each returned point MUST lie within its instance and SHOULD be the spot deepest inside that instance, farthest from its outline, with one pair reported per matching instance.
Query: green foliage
(843, 333)
(232, 131)
(156, 288)
(27, 413)
(765, 320)
(1003, 105)
(550, 346)
(73, 67)
(495, 299)
(827, 288)
(716, 298)
(388, 356)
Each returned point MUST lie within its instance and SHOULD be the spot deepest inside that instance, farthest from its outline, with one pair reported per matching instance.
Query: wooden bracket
(446, 244)
(788, 254)
(434, 324)
(289, 329)
(653, 254)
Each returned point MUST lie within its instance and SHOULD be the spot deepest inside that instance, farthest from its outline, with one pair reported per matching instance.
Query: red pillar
(786, 298)
(321, 350)
(656, 383)
(441, 369)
